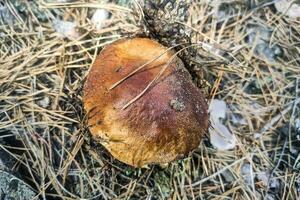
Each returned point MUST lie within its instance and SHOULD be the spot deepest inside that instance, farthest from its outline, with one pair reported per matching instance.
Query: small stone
(228, 176)
(263, 176)
(246, 172)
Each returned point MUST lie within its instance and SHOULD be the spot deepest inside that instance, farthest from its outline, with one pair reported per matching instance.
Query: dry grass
(42, 119)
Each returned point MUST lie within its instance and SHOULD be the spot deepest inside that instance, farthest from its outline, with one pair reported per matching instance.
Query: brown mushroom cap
(165, 123)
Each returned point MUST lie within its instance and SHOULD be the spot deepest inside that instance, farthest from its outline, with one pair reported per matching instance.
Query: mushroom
(168, 119)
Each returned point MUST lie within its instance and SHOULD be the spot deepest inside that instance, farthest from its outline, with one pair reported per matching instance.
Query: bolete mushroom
(168, 119)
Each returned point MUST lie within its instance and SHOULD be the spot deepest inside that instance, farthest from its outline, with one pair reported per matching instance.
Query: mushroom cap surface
(164, 124)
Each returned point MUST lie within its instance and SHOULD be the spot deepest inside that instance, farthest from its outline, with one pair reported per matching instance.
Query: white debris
(45, 102)
(238, 119)
(99, 18)
(288, 8)
(297, 124)
(217, 109)
(247, 174)
(212, 49)
(263, 177)
(66, 29)
(220, 137)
